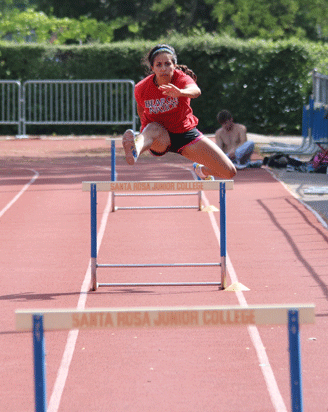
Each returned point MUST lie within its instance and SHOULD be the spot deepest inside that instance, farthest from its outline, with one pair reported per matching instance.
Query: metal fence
(10, 103)
(91, 102)
(67, 102)
(320, 88)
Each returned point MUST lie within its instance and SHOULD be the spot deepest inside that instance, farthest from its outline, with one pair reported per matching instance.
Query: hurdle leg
(200, 200)
(295, 361)
(93, 206)
(113, 208)
(39, 364)
(113, 160)
(223, 235)
(199, 197)
(113, 169)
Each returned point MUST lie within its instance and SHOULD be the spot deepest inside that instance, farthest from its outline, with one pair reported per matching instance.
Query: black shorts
(180, 140)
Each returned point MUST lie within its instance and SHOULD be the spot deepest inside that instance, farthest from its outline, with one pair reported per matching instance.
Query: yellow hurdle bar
(158, 186)
(122, 318)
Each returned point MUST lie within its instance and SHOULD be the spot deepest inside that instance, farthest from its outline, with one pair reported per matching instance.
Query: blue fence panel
(315, 118)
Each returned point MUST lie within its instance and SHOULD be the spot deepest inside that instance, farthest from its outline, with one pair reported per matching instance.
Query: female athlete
(167, 120)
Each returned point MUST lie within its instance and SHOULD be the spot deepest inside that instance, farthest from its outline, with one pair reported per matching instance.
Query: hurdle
(114, 194)
(38, 321)
(158, 186)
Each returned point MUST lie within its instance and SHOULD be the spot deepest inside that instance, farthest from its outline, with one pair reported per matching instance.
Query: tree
(147, 19)
(7, 5)
(152, 19)
(30, 25)
(271, 19)
(313, 17)
(69, 8)
(255, 18)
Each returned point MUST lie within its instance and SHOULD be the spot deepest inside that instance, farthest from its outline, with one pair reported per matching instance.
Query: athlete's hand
(170, 90)
(191, 91)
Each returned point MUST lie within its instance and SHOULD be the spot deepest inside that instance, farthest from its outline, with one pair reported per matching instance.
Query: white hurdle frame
(158, 186)
(38, 320)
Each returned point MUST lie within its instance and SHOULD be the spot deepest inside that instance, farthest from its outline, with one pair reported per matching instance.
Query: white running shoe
(198, 170)
(129, 147)
(240, 166)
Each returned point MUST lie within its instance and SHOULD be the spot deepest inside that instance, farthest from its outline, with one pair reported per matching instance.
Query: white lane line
(19, 194)
(267, 371)
(253, 331)
(63, 370)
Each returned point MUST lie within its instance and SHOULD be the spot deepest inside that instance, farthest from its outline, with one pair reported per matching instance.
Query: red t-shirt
(173, 113)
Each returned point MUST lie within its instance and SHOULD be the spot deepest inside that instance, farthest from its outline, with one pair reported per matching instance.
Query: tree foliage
(33, 26)
(115, 20)
(272, 20)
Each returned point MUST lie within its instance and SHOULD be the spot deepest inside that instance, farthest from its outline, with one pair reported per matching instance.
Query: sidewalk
(310, 188)
(262, 140)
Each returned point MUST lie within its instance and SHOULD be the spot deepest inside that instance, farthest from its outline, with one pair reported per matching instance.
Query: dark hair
(223, 116)
(148, 60)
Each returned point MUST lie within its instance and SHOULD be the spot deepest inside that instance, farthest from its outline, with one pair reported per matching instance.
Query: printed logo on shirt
(161, 105)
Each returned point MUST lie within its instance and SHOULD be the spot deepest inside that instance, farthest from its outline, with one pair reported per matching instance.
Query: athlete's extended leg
(215, 162)
(154, 137)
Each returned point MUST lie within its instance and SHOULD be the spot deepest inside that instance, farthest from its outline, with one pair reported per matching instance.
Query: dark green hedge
(264, 84)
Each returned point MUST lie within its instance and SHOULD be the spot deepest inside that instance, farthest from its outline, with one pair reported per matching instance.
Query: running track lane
(156, 359)
(254, 334)
(127, 375)
(41, 260)
(19, 194)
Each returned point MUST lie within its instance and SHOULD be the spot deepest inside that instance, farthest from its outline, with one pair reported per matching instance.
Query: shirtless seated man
(232, 139)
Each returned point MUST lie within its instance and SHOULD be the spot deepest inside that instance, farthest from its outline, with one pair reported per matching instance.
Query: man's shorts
(180, 140)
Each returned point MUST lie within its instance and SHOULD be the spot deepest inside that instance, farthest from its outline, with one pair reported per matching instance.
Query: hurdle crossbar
(158, 185)
(39, 320)
(151, 187)
(152, 317)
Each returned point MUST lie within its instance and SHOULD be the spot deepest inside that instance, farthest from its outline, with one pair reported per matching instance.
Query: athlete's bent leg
(215, 161)
(154, 136)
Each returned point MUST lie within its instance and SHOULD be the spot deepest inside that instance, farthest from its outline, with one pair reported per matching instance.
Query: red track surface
(276, 246)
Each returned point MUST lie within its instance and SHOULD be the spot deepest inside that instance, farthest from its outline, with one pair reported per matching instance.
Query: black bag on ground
(281, 161)
(277, 161)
